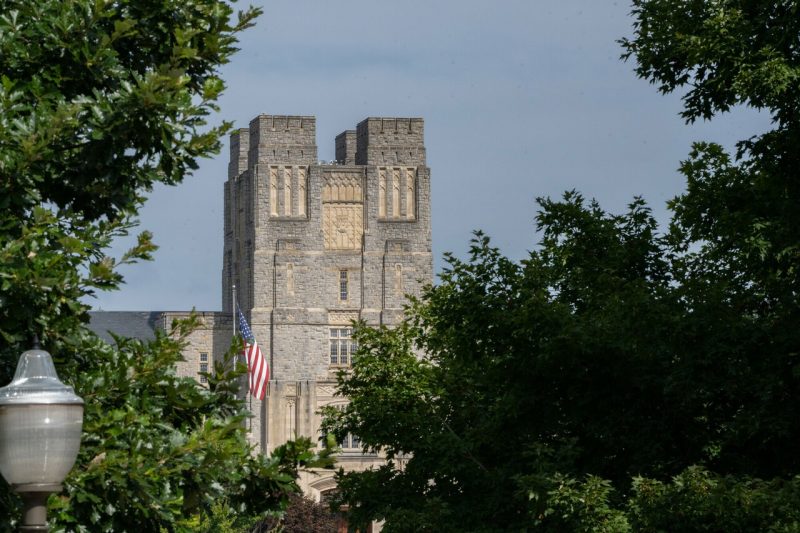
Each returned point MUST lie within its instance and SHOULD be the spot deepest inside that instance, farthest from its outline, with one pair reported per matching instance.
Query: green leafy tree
(736, 224)
(102, 99)
(697, 500)
(99, 101)
(619, 378)
(303, 515)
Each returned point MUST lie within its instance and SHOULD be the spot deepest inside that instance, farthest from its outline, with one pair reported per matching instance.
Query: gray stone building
(310, 247)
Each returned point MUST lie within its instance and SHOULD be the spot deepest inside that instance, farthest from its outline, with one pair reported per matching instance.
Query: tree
(103, 99)
(303, 515)
(619, 378)
(100, 100)
(736, 225)
(733, 53)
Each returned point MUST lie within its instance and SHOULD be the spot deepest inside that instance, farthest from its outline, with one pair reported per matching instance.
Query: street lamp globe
(40, 428)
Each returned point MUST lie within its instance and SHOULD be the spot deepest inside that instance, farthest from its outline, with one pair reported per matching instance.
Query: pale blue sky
(520, 99)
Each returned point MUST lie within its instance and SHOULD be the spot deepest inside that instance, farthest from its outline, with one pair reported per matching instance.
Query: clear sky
(521, 98)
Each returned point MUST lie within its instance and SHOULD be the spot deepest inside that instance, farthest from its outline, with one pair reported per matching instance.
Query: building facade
(309, 247)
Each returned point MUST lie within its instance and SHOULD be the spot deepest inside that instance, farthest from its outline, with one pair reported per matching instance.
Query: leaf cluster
(303, 515)
(49, 263)
(101, 99)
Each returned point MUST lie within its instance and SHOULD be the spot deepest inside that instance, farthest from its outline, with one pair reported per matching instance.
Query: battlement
(289, 139)
(283, 124)
(390, 140)
(392, 126)
(240, 146)
(346, 147)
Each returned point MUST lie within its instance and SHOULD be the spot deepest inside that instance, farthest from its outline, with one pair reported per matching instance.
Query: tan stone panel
(410, 193)
(342, 318)
(326, 390)
(287, 191)
(342, 226)
(273, 191)
(301, 191)
(342, 187)
(382, 193)
(395, 193)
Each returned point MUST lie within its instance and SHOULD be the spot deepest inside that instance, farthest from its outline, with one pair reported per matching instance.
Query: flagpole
(233, 316)
(234, 306)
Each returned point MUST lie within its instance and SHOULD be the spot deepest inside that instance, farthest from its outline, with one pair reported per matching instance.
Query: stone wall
(212, 337)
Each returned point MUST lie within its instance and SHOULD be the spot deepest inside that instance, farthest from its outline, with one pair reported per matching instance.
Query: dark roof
(136, 324)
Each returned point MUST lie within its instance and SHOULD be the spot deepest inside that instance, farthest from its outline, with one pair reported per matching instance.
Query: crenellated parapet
(390, 141)
(346, 147)
(284, 139)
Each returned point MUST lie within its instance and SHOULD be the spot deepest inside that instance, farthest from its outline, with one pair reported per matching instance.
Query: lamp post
(40, 434)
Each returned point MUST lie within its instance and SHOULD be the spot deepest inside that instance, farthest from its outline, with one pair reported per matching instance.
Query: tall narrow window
(203, 367)
(343, 285)
(290, 279)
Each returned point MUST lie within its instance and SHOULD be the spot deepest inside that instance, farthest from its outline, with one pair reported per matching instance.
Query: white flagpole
(233, 316)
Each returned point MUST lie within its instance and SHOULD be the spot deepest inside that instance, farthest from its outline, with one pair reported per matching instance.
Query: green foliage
(102, 99)
(48, 263)
(697, 500)
(303, 515)
(728, 52)
(530, 370)
(222, 518)
(585, 506)
(580, 388)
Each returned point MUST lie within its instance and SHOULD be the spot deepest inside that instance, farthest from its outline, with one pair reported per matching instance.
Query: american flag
(257, 367)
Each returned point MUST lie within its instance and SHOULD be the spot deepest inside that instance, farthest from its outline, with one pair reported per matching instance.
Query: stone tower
(311, 247)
